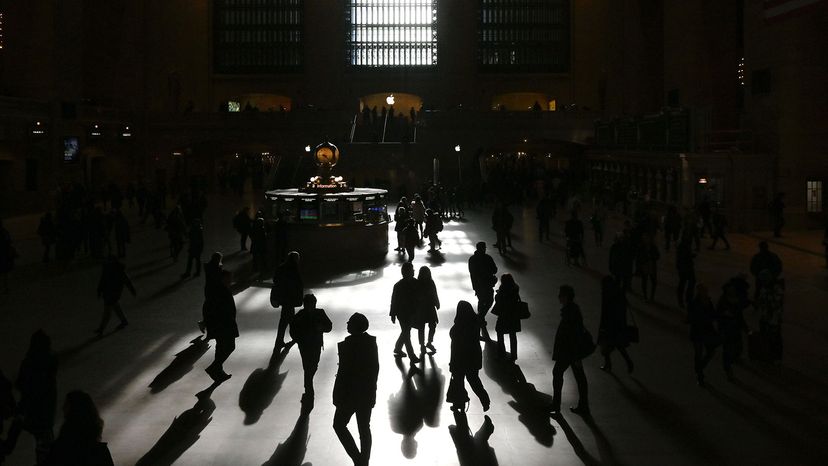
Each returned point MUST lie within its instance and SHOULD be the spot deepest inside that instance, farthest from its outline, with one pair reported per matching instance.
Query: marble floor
(144, 377)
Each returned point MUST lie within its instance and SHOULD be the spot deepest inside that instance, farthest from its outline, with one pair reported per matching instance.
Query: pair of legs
(409, 249)
(47, 247)
(310, 362)
(405, 339)
(243, 241)
(224, 348)
(342, 416)
(580, 379)
(485, 299)
(432, 326)
(434, 242)
(285, 319)
(400, 242)
(107, 314)
(44, 438)
(193, 257)
(716, 237)
(501, 241)
(702, 354)
(501, 344)
(608, 349)
(473, 378)
(686, 287)
(648, 278)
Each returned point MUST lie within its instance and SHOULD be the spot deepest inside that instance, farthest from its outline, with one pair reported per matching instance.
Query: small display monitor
(71, 149)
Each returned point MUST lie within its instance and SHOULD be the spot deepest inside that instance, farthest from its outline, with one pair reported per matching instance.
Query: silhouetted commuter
(288, 291)
(96, 229)
(418, 212)
(37, 383)
(731, 320)
(621, 260)
(597, 221)
(543, 212)
(612, 331)
(219, 314)
(355, 388)
(79, 442)
(411, 238)
(764, 260)
(482, 270)
(429, 304)
(685, 264)
(7, 258)
(306, 330)
(280, 237)
(704, 208)
(47, 230)
(502, 221)
(466, 357)
(719, 228)
(672, 226)
(567, 351)
(690, 227)
(769, 304)
(401, 217)
(175, 231)
(506, 308)
(405, 306)
(241, 222)
(646, 265)
(574, 233)
(258, 245)
(777, 214)
(433, 226)
(110, 288)
(122, 235)
(701, 315)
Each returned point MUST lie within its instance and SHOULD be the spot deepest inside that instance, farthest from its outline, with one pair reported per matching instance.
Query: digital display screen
(308, 213)
(71, 149)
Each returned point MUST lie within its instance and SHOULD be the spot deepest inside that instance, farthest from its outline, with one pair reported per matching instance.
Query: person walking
(306, 329)
(433, 226)
(646, 265)
(466, 359)
(37, 383)
(405, 304)
(288, 291)
(685, 264)
(401, 218)
(731, 322)
(482, 270)
(79, 440)
(418, 211)
(597, 221)
(429, 305)
(701, 315)
(195, 248)
(122, 234)
(47, 230)
(719, 227)
(110, 287)
(502, 222)
(672, 226)
(355, 388)
(764, 260)
(411, 238)
(258, 245)
(506, 308)
(543, 212)
(219, 316)
(176, 228)
(705, 210)
(241, 223)
(612, 331)
(621, 260)
(567, 351)
(769, 304)
(574, 233)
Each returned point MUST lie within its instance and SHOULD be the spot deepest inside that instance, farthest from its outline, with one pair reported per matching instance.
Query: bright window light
(392, 33)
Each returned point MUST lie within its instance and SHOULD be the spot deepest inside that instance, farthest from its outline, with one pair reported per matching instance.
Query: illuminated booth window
(391, 33)
(814, 196)
(524, 35)
(258, 36)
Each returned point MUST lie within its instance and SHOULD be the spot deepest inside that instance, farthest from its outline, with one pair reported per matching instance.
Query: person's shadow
(431, 381)
(404, 411)
(292, 451)
(530, 404)
(473, 450)
(180, 366)
(262, 386)
(184, 431)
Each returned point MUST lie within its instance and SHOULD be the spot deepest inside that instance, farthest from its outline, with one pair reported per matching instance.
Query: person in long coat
(506, 310)
(219, 313)
(306, 329)
(258, 245)
(731, 320)
(401, 216)
(405, 306)
(482, 270)
(195, 248)
(355, 388)
(466, 356)
(429, 304)
(288, 291)
(701, 315)
(110, 287)
(566, 352)
(612, 331)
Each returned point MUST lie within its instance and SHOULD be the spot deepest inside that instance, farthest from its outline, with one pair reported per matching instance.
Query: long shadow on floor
(183, 433)
(292, 451)
(180, 366)
(473, 450)
(530, 404)
(605, 450)
(262, 386)
(417, 403)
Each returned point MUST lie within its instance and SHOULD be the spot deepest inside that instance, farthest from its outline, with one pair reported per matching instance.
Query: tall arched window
(392, 33)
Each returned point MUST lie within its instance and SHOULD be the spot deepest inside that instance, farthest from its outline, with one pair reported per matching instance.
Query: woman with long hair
(430, 303)
(79, 441)
(506, 309)
(466, 358)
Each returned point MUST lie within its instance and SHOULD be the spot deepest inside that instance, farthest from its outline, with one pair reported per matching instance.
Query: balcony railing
(666, 131)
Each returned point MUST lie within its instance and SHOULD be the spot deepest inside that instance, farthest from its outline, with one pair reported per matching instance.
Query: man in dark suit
(355, 388)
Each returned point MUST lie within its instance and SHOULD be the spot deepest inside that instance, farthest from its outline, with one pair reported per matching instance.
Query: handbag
(586, 345)
(523, 310)
(631, 332)
(457, 393)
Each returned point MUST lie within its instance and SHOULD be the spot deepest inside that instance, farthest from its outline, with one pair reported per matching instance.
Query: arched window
(392, 33)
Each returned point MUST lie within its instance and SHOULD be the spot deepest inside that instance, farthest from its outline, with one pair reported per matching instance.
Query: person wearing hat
(355, 388)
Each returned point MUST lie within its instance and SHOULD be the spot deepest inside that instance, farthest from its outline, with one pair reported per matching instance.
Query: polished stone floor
(144, 378)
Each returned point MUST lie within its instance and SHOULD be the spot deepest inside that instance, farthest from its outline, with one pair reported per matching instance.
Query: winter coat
(37, 383)
(405, 301)
(307, 327)
(219, 312)
(466, 355)
(766, 261)
(429, 302)
(356, 379)
(288, 286)
(482, 269)
(112, 282)
(568, 336)
(506, 309)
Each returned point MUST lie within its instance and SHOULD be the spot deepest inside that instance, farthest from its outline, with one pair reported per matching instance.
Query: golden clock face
(327, 155)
